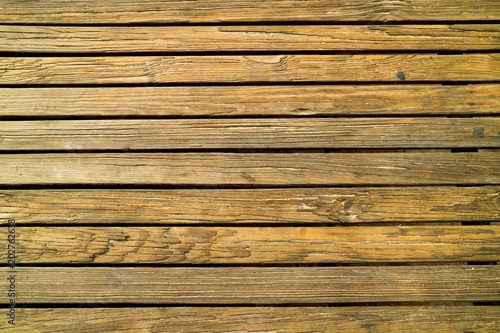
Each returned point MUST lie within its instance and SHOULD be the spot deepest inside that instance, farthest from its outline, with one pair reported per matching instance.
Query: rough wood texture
(481, 168)
(248, 38)
(276, 206)
(252, 100)
(275, 68)
(250, 245)
(254, 285)
(205, 11)
(454, 319)
(250, 133)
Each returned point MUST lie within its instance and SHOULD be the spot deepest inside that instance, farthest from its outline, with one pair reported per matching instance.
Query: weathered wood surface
(248, 69)
(420, 168)
(446, 319)
(338, 100)
(251, 245)
(250, 133)
(254, 285)
(243, 206)
(85, 39)
(208, 11)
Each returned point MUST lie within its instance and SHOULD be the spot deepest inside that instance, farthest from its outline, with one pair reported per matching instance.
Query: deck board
(237, 101)
(92, 70)
(264, 206)
(84, 39)
(482, 168)
(479, 132)
(456, 319)
(253, 245)
(255, 285)
(236, 11)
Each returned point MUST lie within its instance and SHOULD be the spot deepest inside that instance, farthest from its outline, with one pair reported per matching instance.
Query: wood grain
(252, 245)
(208, 11)
(252, 168)
(253, 285)
(275, 206)
(250, 133)
(250, 69)
(85, 39)
(210, 101)
(453, 319)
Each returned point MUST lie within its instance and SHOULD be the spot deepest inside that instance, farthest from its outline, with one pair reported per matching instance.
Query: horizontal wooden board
(454, 319)
(84, 39)
(276, 206)
(203, 11)
(482, 168)
(250, 133)
(253, 285)
(251, 245)
(292, 100)
(259, 68)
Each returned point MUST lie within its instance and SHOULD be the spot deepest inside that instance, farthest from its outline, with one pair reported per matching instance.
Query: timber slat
(250, 133)
(341, 100)
(481, 168)
(251, 245)
(474, 67)
(355, 319)
(62, 39)
(254, 285)
(209, 11)
(275, 206)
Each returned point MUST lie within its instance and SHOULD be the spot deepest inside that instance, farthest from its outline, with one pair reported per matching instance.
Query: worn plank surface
(252, 168)
(250, 245)
(208, 11)
(338, 100)
(255, 68)
(254, 285)
(449, 319)
(273, 206)
(250, 133)
(85, 39)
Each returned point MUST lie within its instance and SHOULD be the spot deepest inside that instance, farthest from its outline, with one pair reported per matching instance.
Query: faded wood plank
(250, 285)
(451, 319)
(276, 206)
(63, 39)
(481, 168)
(251, 100)
(204, 11)
(250, 133)
(276, 68)
(252, 245)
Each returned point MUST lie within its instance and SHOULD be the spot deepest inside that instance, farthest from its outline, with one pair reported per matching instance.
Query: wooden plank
(205, 11)
(418, 168)
(276, 206)
(250, 285)
(377, 100)
(250, 133)
(454, 319)
(64, 39)
(275, 68)
(254, 245)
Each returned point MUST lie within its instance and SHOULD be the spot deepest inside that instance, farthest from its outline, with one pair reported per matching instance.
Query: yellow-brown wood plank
(205, 11)
(243, 206)
(62, 39)
(250, 133)
(256, 68)
(254, 285)
(418, 168)
(446, 319)
(252, 245)
(292, 100)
